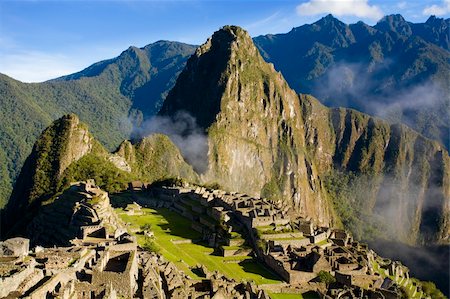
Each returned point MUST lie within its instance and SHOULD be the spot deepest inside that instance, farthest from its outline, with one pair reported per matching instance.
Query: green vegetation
(157, 158)
(168, 226)
(411, 284)
(105, 96)
(107, 176)
(348, 192)
(326, 277)
(430, 289)
(146, 227)
(151, 246)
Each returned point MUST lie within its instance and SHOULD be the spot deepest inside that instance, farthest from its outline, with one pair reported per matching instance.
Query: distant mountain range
(111, 96)
(338, 166)
(395, 69)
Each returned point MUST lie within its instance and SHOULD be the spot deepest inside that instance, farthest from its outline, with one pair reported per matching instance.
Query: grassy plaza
(169, 226)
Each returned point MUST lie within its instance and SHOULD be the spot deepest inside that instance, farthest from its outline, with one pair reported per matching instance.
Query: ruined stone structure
(15, 247)
(104, 261)
(293, 247)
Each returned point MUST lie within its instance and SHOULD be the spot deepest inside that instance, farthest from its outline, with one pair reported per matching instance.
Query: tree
(150, 246)
(326, 277)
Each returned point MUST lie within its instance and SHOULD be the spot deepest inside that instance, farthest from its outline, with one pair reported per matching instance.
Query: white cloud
(358, 8)
(33, 66)
(38, 66)
(437, 10)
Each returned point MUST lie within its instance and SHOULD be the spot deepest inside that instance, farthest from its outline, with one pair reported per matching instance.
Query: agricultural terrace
(176, 241)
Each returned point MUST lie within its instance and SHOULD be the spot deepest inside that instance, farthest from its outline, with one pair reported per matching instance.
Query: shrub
(326, 277)
(150, 246)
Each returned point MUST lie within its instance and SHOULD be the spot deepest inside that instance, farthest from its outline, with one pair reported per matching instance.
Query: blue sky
(40, 40)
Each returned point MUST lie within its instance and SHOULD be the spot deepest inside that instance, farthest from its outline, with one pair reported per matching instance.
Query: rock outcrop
(62, 143)
(254, 121)
(264, 139)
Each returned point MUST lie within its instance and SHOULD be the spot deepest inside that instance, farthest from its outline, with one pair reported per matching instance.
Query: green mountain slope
(67, 152)
(108, 96)
(396, 69)
(264, 139)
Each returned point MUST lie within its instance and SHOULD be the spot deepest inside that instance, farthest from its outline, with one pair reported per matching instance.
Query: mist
(427, 263)
(184, 132)
(386, 223)
(422, 105)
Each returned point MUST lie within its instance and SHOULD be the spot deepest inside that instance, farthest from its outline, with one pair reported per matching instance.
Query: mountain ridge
(266, 140)
(102, 95)
(375, 69)
(116, 110)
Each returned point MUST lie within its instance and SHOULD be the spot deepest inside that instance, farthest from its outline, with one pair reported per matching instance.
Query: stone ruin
(107, 262)
(17, 247)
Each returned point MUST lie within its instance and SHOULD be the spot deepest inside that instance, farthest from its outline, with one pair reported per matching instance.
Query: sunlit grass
(168, 226)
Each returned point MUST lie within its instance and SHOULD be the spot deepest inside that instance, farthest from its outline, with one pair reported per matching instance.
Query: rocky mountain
(109, 96)
(325, 58)
(264, 139)
(396, 69)
(66, 152)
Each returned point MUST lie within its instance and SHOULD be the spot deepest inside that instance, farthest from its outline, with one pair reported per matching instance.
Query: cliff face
(64, 142)
(410, 186)
(264, 139)
(254, 121)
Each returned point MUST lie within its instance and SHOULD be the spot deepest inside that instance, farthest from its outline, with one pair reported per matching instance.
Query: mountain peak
(223, 38)
(433, 20)
(66, 140)
(329, 20)
(203, 80)
(394, 23)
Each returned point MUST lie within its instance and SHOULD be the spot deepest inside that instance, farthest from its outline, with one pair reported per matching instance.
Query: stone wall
(11, 283)
(282, 235)
(123, 282)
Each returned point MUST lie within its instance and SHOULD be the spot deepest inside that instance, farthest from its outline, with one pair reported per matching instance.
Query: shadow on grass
(252, 266)
(311, 295)
(177, 225)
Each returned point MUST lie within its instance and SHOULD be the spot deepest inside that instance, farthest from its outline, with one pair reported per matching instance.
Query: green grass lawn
(168, 225)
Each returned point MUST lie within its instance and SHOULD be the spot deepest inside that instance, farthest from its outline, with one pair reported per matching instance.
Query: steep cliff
(254, 121)
(399, 178)
(264, 139)
(65, 141)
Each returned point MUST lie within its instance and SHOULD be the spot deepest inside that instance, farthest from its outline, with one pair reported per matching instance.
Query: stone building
(15, 247)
